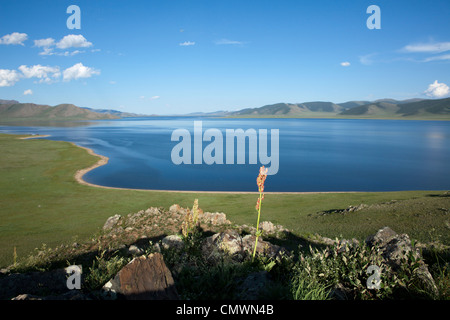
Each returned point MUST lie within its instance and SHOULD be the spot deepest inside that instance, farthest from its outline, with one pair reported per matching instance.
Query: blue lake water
(314, 154)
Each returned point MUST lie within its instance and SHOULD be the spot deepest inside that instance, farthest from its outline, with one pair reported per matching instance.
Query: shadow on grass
(442, 195)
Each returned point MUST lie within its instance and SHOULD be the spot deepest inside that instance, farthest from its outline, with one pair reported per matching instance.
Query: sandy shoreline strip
(35, 136)
(104, 160)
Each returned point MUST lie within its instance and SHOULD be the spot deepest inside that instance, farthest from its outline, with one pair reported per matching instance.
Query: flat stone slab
(144, 278)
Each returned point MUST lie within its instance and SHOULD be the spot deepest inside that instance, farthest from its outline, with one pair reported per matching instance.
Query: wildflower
(260, 183)
(261, 178)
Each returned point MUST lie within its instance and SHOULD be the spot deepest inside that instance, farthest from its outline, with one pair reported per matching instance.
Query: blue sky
(172, 57)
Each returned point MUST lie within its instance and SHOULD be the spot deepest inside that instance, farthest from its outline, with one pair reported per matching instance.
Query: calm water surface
(315, 154)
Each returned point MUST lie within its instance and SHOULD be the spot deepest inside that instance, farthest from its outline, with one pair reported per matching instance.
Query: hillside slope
(415, 109)
(31, 111)
(379, 109)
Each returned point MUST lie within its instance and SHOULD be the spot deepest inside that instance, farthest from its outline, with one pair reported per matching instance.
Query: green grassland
(41, 202)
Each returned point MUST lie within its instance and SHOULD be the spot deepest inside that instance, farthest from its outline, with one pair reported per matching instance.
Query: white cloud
(46, 43)
(73, 41)
(46, 74)
(228, 42)
(14, 38)
(27, 92)
(50, 52)
(187, 43)
(47, 52)
(8, 77)
(366, 60)
(436, 47)
(79, 71)
(438, 58)
(152, 98)
(345, 64)
(437, 90)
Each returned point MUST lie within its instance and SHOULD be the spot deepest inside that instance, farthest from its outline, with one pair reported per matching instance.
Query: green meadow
(42, 203)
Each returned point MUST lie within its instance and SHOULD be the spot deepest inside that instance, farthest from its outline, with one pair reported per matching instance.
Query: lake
(314, 154)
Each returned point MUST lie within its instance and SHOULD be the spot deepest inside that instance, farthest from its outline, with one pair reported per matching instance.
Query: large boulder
(395, 249)
(144, 278)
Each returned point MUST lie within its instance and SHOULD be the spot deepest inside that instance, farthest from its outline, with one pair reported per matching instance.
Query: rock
(327, 241)
(339, 292)
(174, 208)
(228, 241)
(144, 278)
(172, 241)
(26, 296)
(215, 219)
(267, 227)
(395, 249)
(111, 222)
(262, 248)
(253, 285)
(357, 208)
(134, 250)
(381, 238)
(4, 271)
(71, 295)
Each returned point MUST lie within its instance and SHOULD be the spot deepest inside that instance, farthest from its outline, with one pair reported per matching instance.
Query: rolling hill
(117, 113)
(416, 109)
(289, 109)
(379, 109)
(8, 101)
(31, 111)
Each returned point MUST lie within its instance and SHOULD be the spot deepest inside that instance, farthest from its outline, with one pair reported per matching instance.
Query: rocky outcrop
(238, 248)
(395, 249)
(144, 278)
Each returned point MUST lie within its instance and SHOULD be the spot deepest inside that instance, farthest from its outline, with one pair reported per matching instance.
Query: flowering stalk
(190, 220)
(260, 182)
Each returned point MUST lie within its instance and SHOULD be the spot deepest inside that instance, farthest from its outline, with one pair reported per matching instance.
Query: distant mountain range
(425, 109)
(119, 114)
(379, 109)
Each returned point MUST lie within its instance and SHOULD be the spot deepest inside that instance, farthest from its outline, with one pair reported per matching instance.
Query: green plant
(103, 268)
(305, 289)
(190, 220)
(15, 256)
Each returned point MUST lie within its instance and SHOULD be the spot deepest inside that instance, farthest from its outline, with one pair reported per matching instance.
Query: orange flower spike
(261, 178)
(257, 205)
